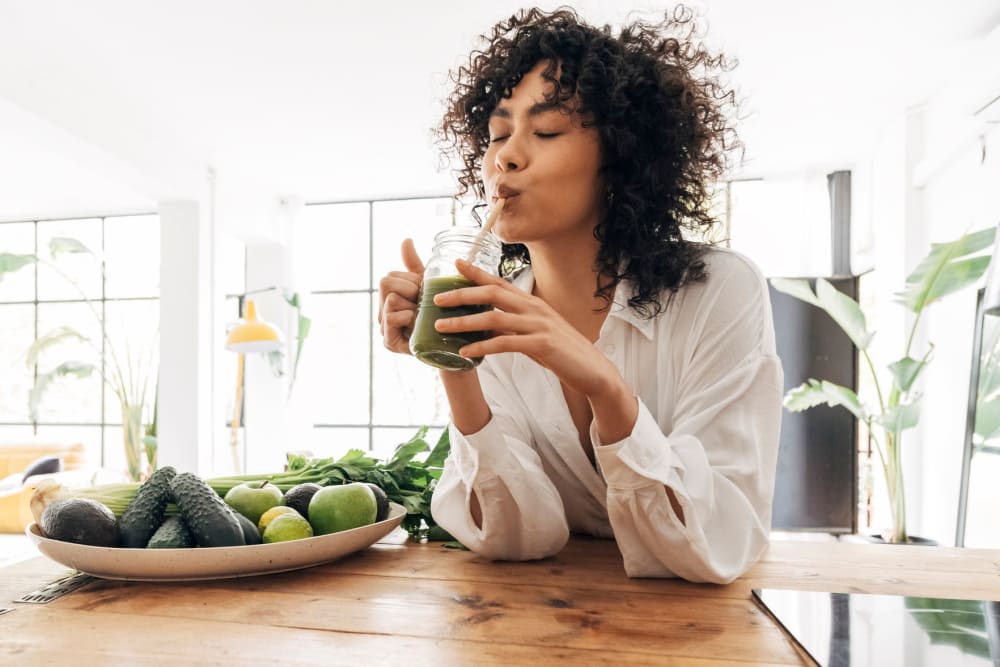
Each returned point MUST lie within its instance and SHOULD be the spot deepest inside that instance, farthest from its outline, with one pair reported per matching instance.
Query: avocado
(298, 497)
(250, 533)
(212, 522)
(145, 513)
(80, 520)
(172, 534)
(381, 501)
(43, 466)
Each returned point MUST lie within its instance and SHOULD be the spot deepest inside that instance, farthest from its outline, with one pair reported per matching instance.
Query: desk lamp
(250, 335)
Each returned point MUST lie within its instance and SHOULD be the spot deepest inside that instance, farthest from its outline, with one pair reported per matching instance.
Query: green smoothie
(441, 349)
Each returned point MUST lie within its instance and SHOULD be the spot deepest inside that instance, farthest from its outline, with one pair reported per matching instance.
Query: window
(356, 393)
(119, 306)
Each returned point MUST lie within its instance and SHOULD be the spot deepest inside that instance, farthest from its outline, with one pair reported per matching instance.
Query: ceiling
(111, 105)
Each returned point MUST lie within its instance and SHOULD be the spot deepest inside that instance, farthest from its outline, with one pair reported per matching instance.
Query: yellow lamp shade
(254, 335)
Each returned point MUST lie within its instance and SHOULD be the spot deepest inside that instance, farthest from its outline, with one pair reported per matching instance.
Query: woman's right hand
(398, 292)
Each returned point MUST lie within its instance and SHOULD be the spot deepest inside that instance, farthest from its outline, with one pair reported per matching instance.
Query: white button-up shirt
(709, 390)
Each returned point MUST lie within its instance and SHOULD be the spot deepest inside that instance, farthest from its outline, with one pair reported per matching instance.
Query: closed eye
(547, 135)
(495, 140)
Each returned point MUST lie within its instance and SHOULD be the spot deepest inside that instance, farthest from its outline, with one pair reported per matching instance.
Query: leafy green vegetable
(405, 478)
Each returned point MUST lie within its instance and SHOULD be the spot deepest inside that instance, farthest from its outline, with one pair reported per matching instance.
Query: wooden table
(422, 604)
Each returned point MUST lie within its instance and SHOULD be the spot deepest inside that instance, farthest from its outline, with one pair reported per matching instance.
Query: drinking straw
(494, 214)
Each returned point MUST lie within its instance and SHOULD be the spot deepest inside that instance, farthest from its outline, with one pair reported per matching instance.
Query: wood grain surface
(421, 604)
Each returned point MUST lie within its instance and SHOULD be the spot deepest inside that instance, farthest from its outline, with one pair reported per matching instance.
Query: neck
(566, 280)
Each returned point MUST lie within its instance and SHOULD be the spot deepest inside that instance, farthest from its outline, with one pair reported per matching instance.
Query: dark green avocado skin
(298, 497)
(82, 521)
(381, 500)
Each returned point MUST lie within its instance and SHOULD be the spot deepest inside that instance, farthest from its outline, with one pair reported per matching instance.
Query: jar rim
(467, 233)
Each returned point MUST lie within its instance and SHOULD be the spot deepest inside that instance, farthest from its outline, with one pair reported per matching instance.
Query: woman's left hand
(521, 322)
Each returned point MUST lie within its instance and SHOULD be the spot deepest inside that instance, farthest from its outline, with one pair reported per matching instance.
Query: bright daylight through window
(93, 319)
(356, 393)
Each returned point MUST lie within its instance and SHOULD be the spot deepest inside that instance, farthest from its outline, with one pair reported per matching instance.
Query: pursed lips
(504, 192)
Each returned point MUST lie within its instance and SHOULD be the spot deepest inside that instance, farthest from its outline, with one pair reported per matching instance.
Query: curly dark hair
(655, 94)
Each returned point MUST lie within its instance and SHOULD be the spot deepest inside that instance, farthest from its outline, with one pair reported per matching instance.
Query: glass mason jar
(440, 275)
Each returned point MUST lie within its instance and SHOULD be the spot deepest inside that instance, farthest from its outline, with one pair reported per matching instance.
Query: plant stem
(878, 446)
(120, 390)
(913, 331)
(878, 387)
(894, 486)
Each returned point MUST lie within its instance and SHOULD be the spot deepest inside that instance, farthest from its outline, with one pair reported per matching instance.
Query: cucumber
(173, 534)
(211, 521)
(250, 533)
(144, 513)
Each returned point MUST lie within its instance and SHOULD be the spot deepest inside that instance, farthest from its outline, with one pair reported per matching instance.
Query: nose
(511, 155)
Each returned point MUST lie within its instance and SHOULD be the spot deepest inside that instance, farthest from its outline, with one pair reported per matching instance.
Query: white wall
(962, 197)
(925, 181)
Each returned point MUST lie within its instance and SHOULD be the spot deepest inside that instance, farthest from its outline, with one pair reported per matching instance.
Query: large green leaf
(946, 269)
(440, 452)
(54, 337)
(987, 419)
(10, 262)
(61, 244)
(302, 332)
(405, 452)
(905, 372)
(42, 382)
(814, 392)
(958, 623)
(797, 287)
(901, 417)
(845, 311)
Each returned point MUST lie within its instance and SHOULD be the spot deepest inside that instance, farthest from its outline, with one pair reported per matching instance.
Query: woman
(630, 388)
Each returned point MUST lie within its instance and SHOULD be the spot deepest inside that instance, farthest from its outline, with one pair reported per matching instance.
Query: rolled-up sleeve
(709, 387)
(523, 517)
(717, 454)
(725, 500)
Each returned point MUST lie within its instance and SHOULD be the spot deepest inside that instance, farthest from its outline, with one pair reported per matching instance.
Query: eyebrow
(536, 109)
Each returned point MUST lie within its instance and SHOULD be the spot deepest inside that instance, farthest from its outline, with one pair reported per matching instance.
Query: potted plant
(948, 268)
(131, 377)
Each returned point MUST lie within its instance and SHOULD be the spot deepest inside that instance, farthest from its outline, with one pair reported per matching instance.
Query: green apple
(251, 499)
(336, 508)
(285, 527)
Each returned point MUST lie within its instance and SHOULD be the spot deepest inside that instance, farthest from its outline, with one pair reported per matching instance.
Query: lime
(270, 514)
(287, 526)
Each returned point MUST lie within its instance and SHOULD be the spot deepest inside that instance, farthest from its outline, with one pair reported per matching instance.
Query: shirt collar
(524, 279)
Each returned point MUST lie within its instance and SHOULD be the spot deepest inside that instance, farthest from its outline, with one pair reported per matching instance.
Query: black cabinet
(816, 488)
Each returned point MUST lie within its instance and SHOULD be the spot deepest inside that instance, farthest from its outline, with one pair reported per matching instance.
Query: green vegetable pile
(405, 478)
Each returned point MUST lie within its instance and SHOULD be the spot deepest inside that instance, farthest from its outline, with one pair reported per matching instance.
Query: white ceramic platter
(214, 562)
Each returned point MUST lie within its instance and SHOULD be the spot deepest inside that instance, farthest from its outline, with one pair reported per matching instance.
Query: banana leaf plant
(948, 268)
(128, 376)
(302, 328)
(970, 626)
